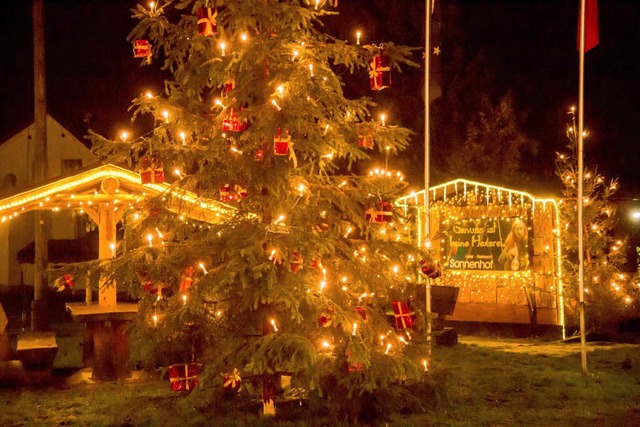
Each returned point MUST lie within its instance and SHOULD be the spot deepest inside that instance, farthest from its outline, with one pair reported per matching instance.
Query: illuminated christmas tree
(610, 294)
(311, 279)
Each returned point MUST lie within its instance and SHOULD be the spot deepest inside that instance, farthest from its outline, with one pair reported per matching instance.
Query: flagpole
(583, 341)
(427, 223)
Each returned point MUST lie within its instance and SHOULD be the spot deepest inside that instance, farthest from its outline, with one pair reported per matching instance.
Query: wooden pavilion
(105, 192)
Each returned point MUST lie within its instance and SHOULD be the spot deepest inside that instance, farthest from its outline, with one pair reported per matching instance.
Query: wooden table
(108, 330)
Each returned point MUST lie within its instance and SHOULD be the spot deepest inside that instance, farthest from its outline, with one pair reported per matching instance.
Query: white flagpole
(427, 223)
(583, 340)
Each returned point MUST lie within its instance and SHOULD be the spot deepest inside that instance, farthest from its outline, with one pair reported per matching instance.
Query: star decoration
(436, 50)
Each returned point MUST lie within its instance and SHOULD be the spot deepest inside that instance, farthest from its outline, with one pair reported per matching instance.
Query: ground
(486, 381)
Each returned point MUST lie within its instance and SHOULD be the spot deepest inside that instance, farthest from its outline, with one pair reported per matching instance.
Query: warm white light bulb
(203, 268)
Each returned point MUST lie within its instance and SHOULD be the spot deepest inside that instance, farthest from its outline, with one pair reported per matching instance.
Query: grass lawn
(487, 381)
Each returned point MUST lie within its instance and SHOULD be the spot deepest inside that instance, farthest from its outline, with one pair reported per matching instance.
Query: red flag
(591, 34)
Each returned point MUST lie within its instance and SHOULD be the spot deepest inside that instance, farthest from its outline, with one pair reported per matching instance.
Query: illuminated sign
(488, 244)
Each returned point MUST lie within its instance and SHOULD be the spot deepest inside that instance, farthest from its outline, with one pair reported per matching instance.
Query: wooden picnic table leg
(110, 349)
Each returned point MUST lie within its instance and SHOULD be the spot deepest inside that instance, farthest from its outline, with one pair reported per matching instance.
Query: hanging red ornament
(207, 25)
(430, 269)
(142, 49)
(281, 142)
(258, 156)
(232, 123)
(187, 278)
(296, 261)
(403, 314)
(383, 213)
(151, 170)
(379, 72)
(232, 381)
(365, 139)
(316, 263)
(183, 377)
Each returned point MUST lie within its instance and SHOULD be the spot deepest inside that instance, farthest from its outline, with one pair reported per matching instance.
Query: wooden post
(111, 349)
(39, 308)
(107, 238)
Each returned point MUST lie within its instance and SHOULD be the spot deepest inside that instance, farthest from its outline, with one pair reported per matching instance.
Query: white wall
(16, 157)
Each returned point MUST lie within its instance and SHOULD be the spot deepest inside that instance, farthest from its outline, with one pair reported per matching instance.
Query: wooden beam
(39, 304)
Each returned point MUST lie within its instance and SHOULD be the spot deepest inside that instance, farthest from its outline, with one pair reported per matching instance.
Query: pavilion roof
(85, 187)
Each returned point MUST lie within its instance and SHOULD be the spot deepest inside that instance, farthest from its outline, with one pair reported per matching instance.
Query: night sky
(530, 45)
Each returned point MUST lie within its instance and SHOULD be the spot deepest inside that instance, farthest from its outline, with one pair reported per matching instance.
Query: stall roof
(459, 186)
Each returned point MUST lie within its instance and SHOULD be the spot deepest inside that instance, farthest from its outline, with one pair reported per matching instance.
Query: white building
(65, 154)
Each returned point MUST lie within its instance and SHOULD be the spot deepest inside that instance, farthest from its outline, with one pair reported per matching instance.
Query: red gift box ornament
(64, 282)
(240, 191)
(232, 380)
(281, 142)
(187, 278)
(379, 72)
(142, 49)
(353, 366)
(183, 377)
(232, 123)
(148, 286)
(296, 261)
(326, 318)
(226, 195)
(365, 140)
(382, 213)
(430, 269)
(229, 85)
(362, 312)
(151, 170)
(207, 25)
(403, 314)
